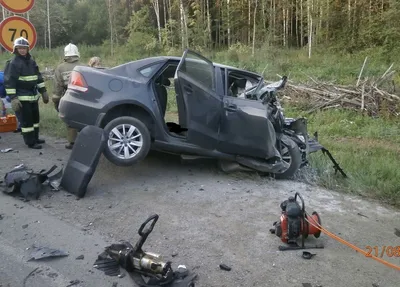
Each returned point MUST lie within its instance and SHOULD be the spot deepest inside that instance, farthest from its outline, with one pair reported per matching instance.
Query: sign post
(14, 27)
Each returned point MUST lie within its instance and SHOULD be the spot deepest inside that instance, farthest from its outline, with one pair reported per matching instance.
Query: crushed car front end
(294, 128)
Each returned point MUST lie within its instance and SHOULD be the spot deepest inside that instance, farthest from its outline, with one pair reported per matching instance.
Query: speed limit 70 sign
(14, 27)
(17, 6)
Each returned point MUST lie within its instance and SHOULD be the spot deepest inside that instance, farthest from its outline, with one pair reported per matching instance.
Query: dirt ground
(206, 218)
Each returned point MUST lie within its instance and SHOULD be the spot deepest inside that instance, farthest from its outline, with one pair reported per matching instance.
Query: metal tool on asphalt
(307, 255)
(147, 268)
(294, 221)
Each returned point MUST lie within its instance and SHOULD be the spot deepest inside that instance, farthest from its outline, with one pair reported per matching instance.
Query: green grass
(368, 149)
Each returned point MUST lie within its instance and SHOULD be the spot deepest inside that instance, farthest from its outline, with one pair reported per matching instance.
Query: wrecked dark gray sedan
(225, 113)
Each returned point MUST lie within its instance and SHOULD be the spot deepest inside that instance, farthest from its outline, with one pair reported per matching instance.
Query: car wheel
(128, 141)
(292, 155)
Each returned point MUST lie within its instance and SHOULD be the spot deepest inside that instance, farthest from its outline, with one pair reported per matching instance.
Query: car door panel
(195, 81)
(244, 128)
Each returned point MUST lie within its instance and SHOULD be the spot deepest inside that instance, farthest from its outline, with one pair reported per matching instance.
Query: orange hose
(351, 245)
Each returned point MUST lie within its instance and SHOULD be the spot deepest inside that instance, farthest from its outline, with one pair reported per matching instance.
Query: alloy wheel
(125, 141)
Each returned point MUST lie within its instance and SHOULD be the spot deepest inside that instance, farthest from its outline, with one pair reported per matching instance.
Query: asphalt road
(206, 218)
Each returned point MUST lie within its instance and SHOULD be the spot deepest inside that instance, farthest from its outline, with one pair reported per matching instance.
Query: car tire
(293, 153)
(122, 150)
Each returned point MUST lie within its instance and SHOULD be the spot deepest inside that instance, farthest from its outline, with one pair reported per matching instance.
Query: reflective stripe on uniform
(28, 78)
(41, 85)
(27, 130)
(11, 91)
(36, 125)
(29, 98)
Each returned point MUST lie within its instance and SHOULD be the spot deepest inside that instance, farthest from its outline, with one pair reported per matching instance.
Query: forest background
(314, 42)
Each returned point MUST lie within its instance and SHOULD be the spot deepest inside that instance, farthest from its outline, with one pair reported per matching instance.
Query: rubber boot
(35, 146)
(69, 145)
(71, 137)
(37, 139)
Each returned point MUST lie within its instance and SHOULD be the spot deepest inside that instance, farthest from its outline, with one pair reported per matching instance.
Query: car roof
(158, 59)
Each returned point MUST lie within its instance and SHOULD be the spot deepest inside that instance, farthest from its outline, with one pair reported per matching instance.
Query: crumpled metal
(45, 252)
(23, 181)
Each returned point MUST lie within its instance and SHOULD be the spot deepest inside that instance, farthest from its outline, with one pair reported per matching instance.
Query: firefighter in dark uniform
(22, 79)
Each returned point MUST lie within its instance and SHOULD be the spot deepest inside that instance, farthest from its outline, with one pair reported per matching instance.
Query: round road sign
(14, 27)
(17, 6)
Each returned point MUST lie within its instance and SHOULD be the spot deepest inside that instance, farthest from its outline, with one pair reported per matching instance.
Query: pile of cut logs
(371, 96)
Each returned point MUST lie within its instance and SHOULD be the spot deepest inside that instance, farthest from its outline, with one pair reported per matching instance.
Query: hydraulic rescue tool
(294, 222)
(146, 268)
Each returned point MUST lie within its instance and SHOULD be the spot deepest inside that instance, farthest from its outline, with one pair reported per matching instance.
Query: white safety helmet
(20, 42)
(71, 50)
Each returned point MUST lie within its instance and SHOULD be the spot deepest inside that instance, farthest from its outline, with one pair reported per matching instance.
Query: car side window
(148, 70)
(199, 70)
(238, 83)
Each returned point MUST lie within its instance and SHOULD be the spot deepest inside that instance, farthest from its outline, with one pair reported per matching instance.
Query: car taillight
(77, 82)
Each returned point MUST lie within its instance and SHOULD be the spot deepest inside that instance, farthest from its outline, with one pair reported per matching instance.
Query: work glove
(16, 105)
(45, 97)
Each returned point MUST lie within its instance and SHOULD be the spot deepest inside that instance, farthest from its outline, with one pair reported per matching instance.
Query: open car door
(199, 106)
(245, 128)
